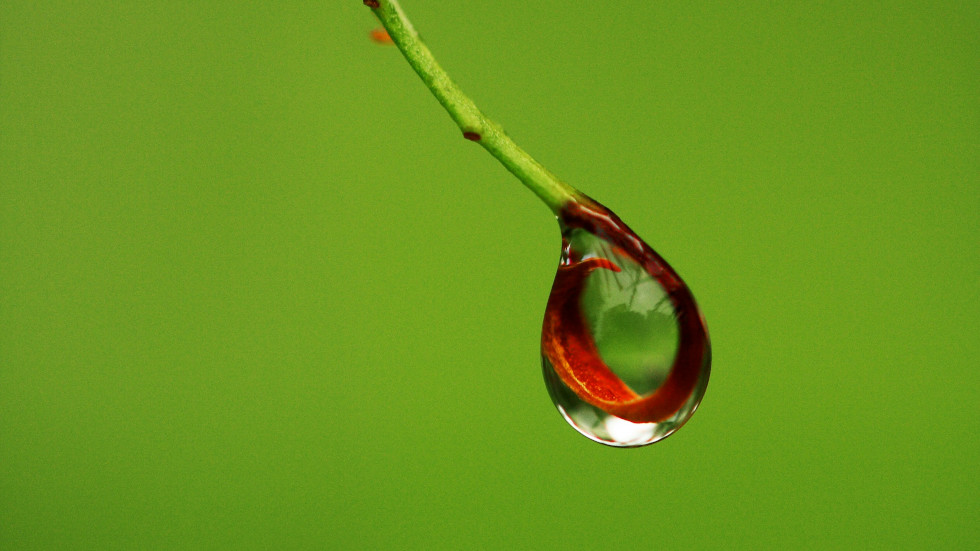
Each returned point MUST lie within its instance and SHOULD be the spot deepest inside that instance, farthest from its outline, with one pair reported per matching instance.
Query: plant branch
(471, 121)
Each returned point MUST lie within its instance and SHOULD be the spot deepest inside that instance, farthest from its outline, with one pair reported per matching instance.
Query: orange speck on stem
(381, 36)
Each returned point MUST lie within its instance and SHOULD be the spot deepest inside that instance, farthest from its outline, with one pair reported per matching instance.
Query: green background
(256, 291)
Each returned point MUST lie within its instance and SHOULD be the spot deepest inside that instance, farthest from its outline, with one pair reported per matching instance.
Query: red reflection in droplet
(568, 343)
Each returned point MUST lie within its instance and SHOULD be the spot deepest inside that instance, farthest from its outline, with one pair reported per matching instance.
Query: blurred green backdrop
(256, 292)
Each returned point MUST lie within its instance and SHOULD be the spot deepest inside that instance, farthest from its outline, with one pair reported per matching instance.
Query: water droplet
(624, 347)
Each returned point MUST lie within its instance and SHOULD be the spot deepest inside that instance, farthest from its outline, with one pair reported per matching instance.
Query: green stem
(474, 124)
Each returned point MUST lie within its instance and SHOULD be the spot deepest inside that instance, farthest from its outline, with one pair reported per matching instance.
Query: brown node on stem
(371, 3)
(472, 136)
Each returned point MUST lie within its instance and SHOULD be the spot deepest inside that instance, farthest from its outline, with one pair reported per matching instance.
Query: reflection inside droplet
(625, 351)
